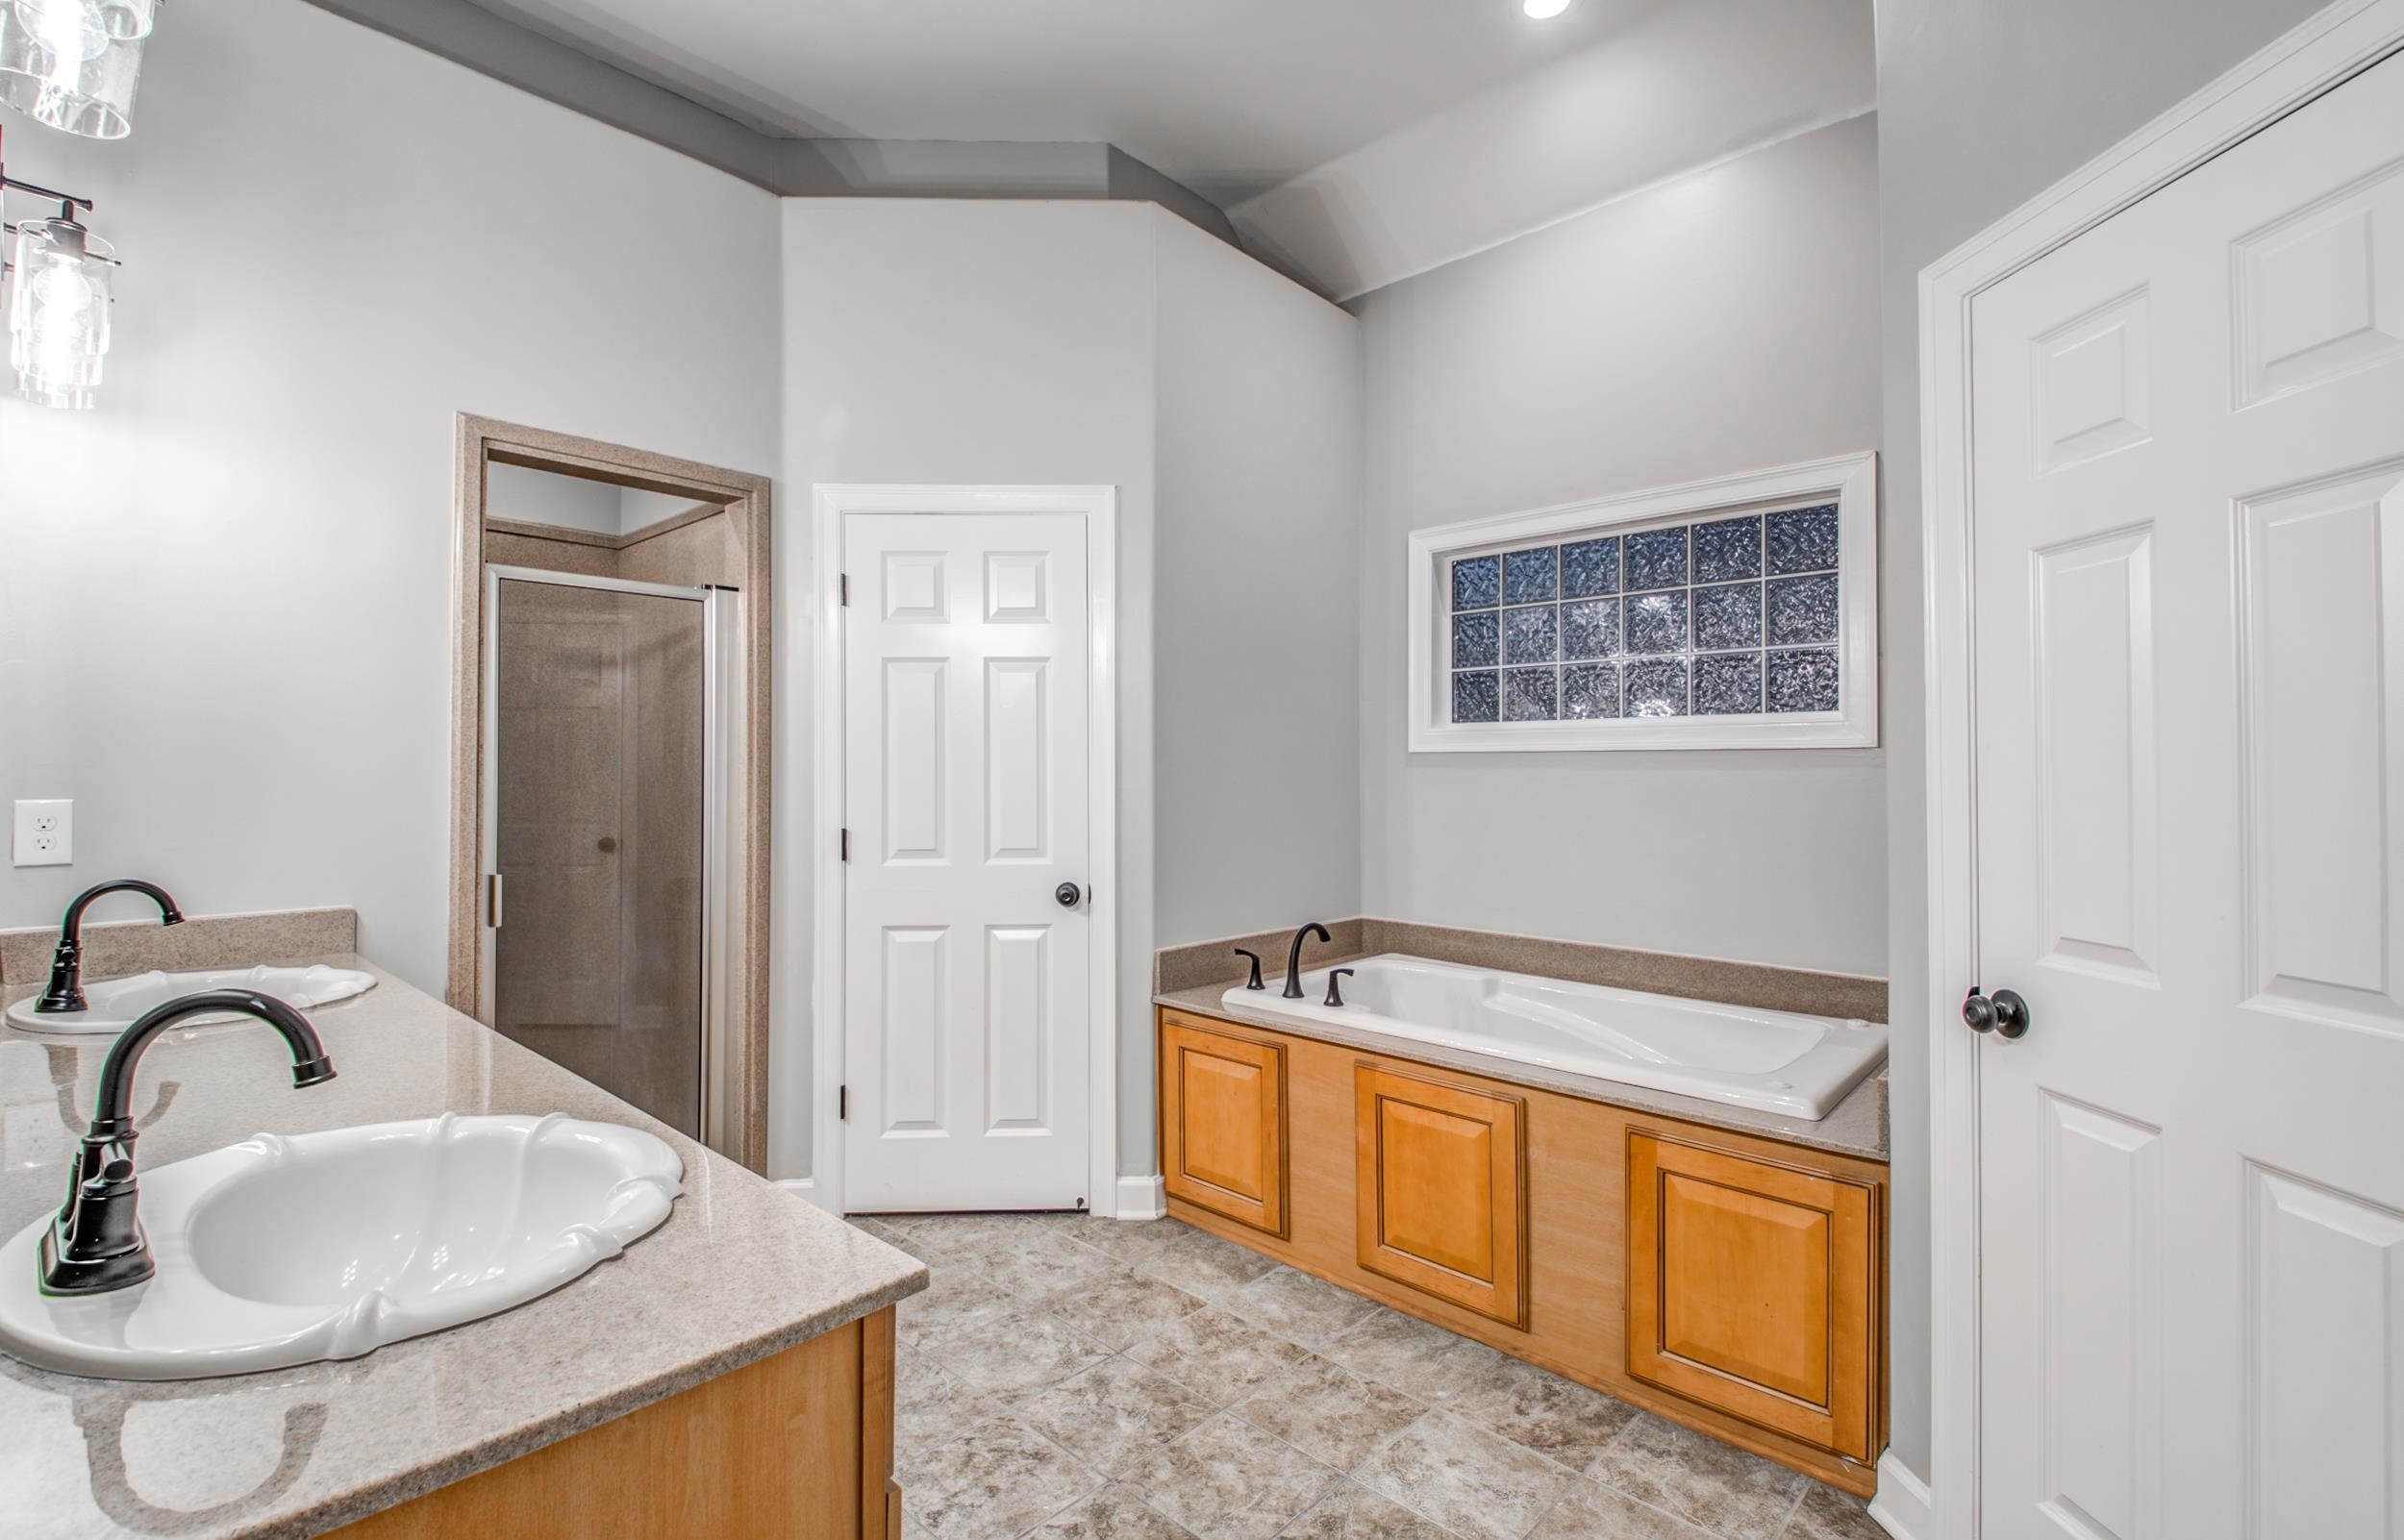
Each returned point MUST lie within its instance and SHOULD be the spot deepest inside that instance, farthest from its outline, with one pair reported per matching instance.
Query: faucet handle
(1334, 991)
(1256, 968)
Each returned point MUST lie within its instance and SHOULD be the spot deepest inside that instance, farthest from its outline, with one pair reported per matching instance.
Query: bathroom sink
(115, 1003)
(280, 1251)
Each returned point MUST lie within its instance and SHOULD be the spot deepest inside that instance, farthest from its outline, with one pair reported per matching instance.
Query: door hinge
(843, 1103)
(842, 587)
(846, 844)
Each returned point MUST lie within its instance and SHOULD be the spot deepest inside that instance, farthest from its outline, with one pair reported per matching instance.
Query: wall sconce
(73, 63)
(61, 281)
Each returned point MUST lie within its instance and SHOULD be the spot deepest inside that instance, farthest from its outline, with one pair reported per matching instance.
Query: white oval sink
(280, 1251)
(113, 1004)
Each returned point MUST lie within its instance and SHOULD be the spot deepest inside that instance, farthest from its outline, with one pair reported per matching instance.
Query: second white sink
(113, 1004)
(280, 1251)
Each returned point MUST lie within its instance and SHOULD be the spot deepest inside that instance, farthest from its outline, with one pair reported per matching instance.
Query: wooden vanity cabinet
(1752, 1287)
(1442, 1187)
(1223, 1123)
(796, 1446)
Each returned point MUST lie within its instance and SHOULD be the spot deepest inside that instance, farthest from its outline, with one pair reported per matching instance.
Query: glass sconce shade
(59, 313)
(73, 63)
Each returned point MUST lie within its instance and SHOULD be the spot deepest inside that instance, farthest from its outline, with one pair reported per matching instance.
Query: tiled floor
(1079, 1379)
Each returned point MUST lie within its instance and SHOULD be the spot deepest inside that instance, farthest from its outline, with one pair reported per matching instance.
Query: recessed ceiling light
(1543, 10)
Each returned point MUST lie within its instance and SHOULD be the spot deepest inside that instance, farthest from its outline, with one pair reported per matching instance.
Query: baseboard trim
(801, 1187)
(1141, 1198)
(1902, 1507)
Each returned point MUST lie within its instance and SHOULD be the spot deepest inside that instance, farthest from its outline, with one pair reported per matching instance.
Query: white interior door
(965, 974)
(2188, 446)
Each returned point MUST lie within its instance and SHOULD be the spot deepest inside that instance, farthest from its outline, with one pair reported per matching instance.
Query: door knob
(1069, 894)
(2003, 1013)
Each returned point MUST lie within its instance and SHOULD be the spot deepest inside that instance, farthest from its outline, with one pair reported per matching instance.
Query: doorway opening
(609, 790)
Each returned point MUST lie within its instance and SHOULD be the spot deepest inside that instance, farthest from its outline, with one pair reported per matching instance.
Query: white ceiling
(1229, 97)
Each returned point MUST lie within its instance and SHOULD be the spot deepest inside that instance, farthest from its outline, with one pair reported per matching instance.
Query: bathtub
(1771, 1060)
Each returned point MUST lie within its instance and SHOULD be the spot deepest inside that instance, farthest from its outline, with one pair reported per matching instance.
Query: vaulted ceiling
(1354, 140)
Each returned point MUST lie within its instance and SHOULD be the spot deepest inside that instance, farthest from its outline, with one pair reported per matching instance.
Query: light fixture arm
(68, 202)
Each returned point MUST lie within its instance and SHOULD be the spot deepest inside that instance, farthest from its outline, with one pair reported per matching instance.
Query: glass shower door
(597, 739)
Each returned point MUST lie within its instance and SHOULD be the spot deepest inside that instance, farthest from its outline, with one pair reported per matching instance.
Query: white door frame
(2323, 51)
(1098, 506)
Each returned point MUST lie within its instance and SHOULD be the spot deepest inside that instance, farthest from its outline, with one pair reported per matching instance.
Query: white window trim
(1849, 481)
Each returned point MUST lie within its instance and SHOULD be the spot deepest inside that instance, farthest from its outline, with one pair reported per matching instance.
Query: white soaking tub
(1771, 1060)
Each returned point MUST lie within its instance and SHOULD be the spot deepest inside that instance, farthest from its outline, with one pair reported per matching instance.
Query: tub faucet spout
(1293, 958)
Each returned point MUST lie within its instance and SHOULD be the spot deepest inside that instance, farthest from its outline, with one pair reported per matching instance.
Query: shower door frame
(722, 610)
(747, 501)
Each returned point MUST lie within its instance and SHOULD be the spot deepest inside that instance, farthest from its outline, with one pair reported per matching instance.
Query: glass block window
(1680, 621)
(1713, 611)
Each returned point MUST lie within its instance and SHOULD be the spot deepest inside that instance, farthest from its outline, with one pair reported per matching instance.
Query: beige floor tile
(956, 1296)
(996, 1486)
(1351, 1511)
(1199, 1262)
(1300, 1309)
(1216, 1356)
(931, 1408)
(1328, 1412)
(1536, 1408)
(1121, 1309)
(1411, 1356)
(1028, 1351)
(1113, 1513)
(1591, 1512)
(1475, 1483)
(1828, 1514)
(1717, 1485)
(1115, 1413)
(1228, 1481)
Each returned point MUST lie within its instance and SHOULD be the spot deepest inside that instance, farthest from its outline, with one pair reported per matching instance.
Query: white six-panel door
(2189, 527)
(965, 728)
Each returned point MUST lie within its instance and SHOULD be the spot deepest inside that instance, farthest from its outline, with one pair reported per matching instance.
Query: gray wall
(1113, 344)
(1982, 104)
(1725, 322)
(965, 341)
(1256, 620)
(226, 596)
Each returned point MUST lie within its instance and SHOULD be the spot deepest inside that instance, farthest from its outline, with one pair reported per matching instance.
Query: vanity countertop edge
(740, 1270)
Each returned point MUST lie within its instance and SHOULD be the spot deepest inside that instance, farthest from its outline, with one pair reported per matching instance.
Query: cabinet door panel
(1752, 1287)
(1223, 1124)
(1442, 1189)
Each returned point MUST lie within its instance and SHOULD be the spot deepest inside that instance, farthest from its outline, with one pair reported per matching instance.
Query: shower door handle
(492, 899)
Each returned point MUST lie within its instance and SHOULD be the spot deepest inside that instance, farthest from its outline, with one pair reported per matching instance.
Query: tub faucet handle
(1256, 968)
(1334, 993)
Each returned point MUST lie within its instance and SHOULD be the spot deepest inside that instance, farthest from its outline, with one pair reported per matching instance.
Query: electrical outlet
(46, 832)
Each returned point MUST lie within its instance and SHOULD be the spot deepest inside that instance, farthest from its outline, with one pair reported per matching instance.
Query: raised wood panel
(1577, 1259)
(1223, 1124)
(1442, 1189)
(1751, 1287)
(795, 1447)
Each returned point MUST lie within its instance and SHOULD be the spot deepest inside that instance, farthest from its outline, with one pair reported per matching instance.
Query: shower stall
(606, 779)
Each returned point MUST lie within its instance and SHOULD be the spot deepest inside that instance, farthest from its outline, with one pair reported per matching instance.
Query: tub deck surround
(739, 1271)
(1177, 969)
(1857, 1125)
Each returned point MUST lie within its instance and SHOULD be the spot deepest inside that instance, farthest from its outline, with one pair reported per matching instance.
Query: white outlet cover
(46, 832)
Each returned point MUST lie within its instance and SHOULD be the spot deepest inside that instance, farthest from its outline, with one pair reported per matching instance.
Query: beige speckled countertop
(740, 1271)
(1858, 1127)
